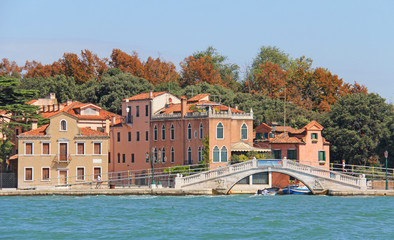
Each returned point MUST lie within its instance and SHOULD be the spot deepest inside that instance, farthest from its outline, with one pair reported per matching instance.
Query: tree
(12, 103)
(196, 71)
(127, 63)
(9, 69)
(355, 126)
(273, 55)
(270, 80)
(157, 71)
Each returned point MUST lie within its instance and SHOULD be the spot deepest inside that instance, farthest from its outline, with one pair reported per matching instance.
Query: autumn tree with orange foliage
(157, 71)
(127, 63)
(9, 69)
(270, 80)
(196, 71)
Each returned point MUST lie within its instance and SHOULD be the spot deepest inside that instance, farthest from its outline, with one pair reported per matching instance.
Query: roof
(32, 101)
(87, 131)
(74, 110)
(144, 96)
(199, 97)
(313, 124)
(36, 132)
(244, 147)
(284, 138)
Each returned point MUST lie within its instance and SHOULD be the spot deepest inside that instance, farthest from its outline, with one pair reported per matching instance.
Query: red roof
(32, 101)
(198, 97)
(74, 110)
(36, 132)
(284, 138)
(176, 108)
(87, 131)
(144, 96)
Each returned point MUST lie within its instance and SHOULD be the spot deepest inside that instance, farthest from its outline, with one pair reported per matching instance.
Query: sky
(353, 39)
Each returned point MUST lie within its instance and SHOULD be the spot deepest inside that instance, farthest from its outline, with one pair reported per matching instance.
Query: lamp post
(159, 160)
(386, 154)
(152, 160)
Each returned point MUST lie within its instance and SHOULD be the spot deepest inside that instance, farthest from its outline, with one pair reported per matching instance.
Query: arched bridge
(316, 179)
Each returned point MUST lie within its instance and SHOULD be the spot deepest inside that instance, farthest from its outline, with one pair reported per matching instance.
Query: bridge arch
(262, 170)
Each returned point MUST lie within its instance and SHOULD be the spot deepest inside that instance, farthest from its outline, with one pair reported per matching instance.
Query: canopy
(244, 147)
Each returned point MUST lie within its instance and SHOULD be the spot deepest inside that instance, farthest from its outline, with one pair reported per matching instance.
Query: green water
(197, 217)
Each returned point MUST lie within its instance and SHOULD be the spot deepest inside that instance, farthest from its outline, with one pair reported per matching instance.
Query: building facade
(62, 154)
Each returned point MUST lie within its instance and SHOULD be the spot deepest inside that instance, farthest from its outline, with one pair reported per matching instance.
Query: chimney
(150, 95)
(183, 106)
(34, 124)
(113, 118)
(107, 124)
(69, 102)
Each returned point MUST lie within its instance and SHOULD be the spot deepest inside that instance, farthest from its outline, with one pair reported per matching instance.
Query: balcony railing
(62, 159)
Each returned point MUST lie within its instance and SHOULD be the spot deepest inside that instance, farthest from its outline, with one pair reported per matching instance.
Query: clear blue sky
(353, 39)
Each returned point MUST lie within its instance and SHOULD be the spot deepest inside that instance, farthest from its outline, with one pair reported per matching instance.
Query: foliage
(355, 126)
(205, 152)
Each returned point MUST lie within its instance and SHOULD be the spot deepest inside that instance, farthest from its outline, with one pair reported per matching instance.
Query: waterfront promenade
(162, 192)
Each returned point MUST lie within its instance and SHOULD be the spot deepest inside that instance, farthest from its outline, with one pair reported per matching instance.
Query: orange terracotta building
(176, 127)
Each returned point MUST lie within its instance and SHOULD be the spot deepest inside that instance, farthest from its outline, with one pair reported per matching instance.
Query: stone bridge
(318, 180)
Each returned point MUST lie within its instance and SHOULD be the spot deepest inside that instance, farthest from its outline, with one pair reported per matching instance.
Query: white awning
(244, 147)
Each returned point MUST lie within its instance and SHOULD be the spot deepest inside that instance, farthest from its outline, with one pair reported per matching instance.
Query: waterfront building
(305, 145)
(176, 127)
(61, 153)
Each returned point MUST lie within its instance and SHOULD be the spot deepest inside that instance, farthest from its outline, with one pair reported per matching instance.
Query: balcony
(62, 158)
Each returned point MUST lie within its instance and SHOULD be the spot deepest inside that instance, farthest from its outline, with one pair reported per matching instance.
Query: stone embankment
(162, 192)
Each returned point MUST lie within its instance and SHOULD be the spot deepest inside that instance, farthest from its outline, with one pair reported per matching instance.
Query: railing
(57, 159)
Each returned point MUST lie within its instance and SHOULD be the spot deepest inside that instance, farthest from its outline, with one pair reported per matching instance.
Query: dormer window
(63, 125)
(314, 136)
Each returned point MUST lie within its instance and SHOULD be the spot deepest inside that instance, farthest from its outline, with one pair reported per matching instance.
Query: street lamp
(152, 159)
(159, 160)
(386, 154)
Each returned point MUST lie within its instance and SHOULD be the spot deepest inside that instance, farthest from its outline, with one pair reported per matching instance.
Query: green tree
(12, 103)
(355, 126)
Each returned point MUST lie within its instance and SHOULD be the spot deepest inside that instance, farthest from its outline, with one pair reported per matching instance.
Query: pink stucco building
(176, 127)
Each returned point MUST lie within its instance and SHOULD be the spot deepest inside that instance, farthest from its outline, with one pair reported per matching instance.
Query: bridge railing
(358, 181)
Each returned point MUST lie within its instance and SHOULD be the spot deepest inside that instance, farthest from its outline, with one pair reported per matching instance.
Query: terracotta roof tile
(32, 101)
(284, 138)
(87, 131)
(144, 96)
(198, 97)
(36, 132)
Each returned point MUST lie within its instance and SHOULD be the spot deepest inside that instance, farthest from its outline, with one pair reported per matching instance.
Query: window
(29, 148)
(146, 136)
(132, 158)
(216, 154)
(80, 148)
(322, 156)
(223, 154)
(155, 133)
(63, 151)
(80, 174)
(314, 136)
(97, 148)
(118, 157)
(272, 135)
(265, 135)
(163, 132)
(172, 155)
(129, 136)
(201, 130)
(16, 132)
(189, 155)
(244, 132)
(97, 172)
(219, 131)
(292, 154)
(109, 157)
(189, 131)
(277, 154)
(28, 174)
(45, 174)
(123, 158)
(163, 155)
(45, 148)
(146, 110)
(260, 178)
(63, 125)
(129, 118)
(137, 111)
(147, 157)
(199, 155)
(118, 136)
(172, 132)
(138, 136)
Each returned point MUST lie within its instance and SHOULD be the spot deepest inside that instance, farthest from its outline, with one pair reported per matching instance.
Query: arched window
(223, 154)
(163, 155)
(244, 132)
(63, 125)
(155, 154)
(189, 131)
(155, 133)
(172, 155)
(163, 132)
(216, 154)
(219, 131)
(189, 155)
(201, 131)
(199, 154)
(172, 132)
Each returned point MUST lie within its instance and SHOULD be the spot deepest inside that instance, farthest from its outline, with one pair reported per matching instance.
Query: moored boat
(267, 191)
(295, 189)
